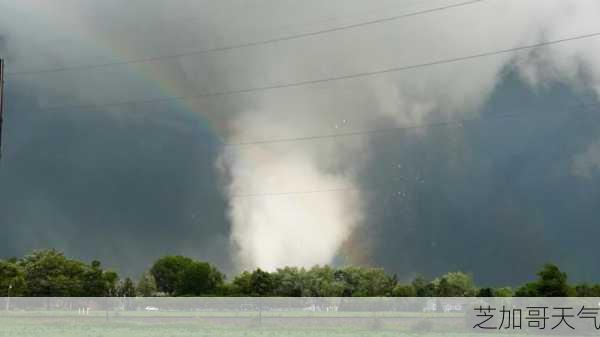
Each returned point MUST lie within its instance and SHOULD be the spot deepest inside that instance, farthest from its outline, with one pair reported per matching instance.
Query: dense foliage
(50, 273)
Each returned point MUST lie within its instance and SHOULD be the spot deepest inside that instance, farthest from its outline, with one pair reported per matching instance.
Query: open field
(242, 324)
(271, 317)
(97, 327)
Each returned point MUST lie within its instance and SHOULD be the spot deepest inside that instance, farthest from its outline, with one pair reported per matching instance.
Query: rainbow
(155, 79)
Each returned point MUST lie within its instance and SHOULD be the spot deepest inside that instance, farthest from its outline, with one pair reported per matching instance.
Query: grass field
(135, 329)
(242, 324)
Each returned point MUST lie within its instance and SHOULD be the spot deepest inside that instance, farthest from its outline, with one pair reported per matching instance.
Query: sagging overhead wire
(332, 78)
(247, 44)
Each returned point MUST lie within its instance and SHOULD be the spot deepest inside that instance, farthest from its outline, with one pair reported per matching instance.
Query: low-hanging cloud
(300, 202)
(272, 232)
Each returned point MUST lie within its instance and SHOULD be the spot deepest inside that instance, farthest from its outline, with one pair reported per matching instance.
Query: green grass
(164, 325)
(132, 329)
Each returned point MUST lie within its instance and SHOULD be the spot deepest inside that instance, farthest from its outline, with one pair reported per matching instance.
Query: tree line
(50, 273)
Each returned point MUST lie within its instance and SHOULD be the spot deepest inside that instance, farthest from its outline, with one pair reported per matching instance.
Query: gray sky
(508, 189)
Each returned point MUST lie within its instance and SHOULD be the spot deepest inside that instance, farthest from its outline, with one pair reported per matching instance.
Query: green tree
(288, 282)
(242, 284)
(551, 283)
(404, 291)
(586, 290)
(12, 276)
(324, 281)
(256, 283)
(168, 271)
(227, 289)
(183, 276)
(503, 292)
(126, 288)
(199, 278)
(97, 282)
(485, 292)
(49, 273)
(423, 288)
(216, 279)
(370, 281)
(528, 290)
(146, 286)
(455, 284)
(111, 281)
(261, 283)
(445, 289)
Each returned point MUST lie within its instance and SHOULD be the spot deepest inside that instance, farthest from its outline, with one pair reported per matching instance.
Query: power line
(348, 188)
(248, 44)
(333, 78)
(367, 132)
(574, 107)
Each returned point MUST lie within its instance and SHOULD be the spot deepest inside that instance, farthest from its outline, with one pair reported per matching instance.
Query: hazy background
(513, 186)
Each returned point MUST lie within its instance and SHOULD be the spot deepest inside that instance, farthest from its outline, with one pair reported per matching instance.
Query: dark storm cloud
(495, 197)
(125, 190)
(122, 184)
(129, 183)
